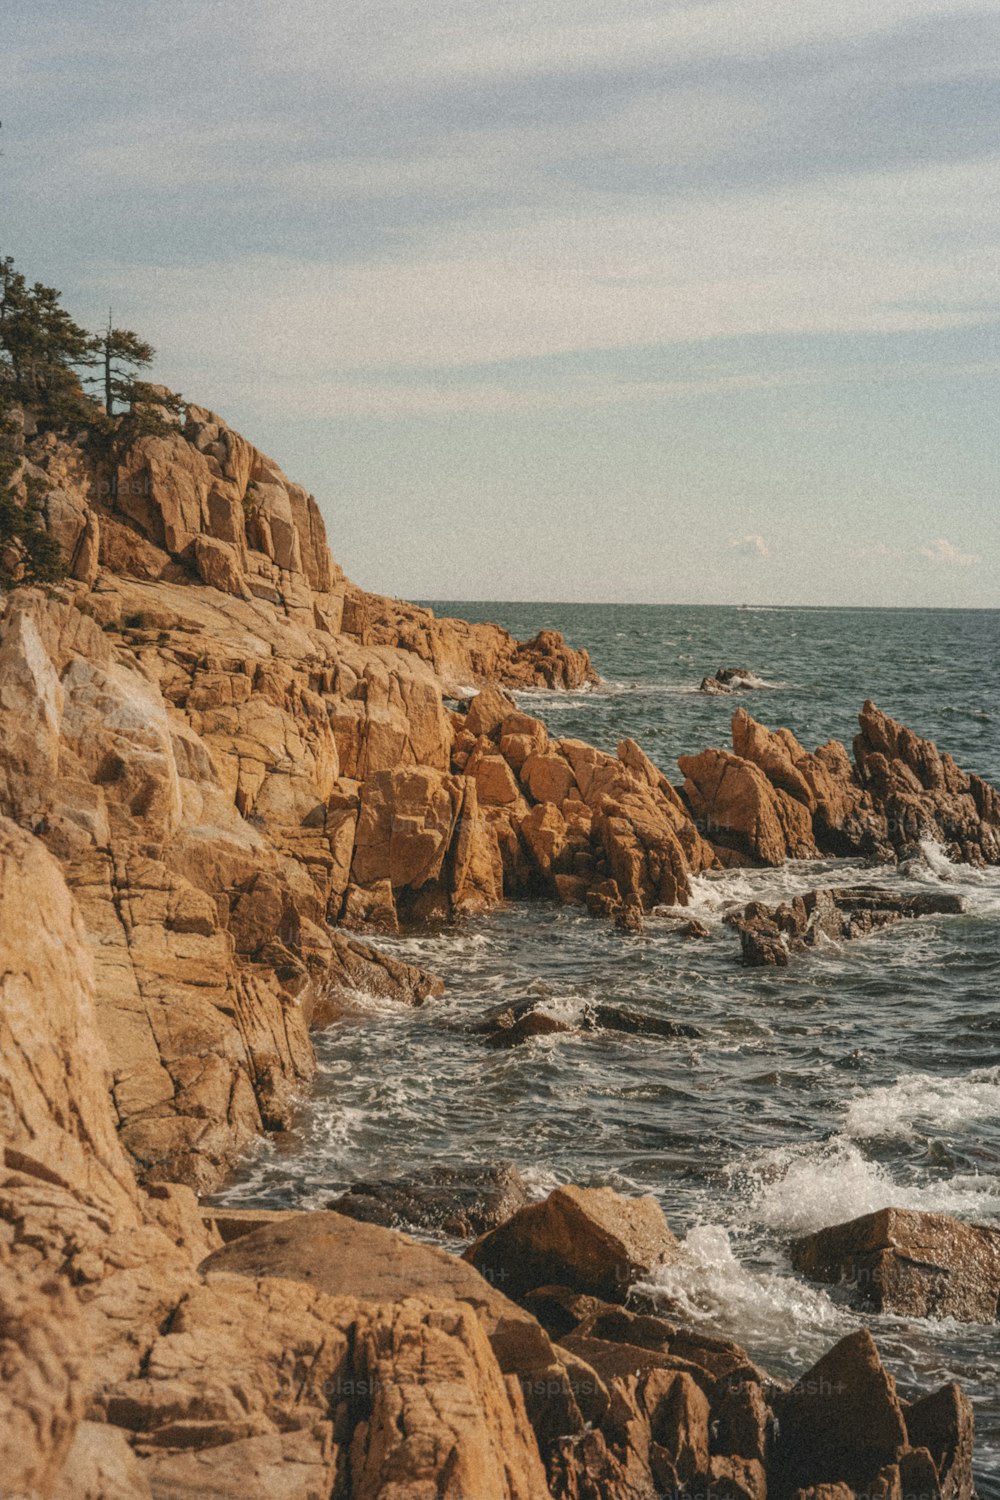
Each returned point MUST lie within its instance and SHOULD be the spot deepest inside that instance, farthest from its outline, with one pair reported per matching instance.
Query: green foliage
(41, 348)
(28, 554)
(47, 360)
(120, 353)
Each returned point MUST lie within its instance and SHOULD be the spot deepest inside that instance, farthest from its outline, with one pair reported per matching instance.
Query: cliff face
(216, 735)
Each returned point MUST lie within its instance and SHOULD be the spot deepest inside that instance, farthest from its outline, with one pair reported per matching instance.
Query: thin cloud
(941, 551)
(752, 545)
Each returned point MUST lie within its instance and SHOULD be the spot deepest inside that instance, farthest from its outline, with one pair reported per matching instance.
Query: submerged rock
(770, 934)
(457, 1201)
(921, 1265)
(509, 1025)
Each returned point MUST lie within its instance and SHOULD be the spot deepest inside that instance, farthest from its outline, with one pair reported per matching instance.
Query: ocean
(863, 1076)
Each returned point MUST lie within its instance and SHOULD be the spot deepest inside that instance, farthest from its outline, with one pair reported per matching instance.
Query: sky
(687, 302)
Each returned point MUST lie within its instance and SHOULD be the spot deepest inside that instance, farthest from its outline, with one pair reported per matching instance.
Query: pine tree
(121, 353)
(40, 348)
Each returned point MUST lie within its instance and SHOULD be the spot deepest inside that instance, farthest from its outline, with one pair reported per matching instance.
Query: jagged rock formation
(217, 755)
(228, 748)
(769, 799)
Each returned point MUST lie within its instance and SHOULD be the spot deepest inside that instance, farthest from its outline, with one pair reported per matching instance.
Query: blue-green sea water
(862, 1076)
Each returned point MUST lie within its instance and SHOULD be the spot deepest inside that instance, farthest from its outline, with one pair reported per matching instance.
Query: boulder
(918, 792)
(919, 1265)
(590, 1239)
(343, 1258)
(842, 1421)
(508, 1025)
(730, 680)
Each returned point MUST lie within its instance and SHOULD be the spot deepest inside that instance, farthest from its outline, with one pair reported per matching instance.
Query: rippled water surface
(864, 1075)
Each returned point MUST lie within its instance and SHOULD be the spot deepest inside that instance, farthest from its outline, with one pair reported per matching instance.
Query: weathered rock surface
(223, 765)
(686, 1413)
(590, 1239)
(461, 1202)
(315, 1356)
(843, 1423)
(770, 934)
(921, 1265)
(213, 750)
(344, 1258)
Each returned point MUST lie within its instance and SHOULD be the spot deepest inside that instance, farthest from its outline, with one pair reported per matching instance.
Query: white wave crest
(708, 1287)
(921, 1099)
(796, 1190)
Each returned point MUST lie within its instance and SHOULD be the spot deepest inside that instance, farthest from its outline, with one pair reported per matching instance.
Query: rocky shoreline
(224, 770)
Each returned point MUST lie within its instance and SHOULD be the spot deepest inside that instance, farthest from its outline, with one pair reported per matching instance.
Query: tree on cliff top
(121, 353)
(40, 349)
(46, 360)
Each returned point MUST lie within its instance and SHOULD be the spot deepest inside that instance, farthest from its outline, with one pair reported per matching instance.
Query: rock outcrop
(921, 1265)
(769, 799)
(229, 750)
(844, 1424)
(217, 757)
(770, 934)
(460, 1202)
(314, 1356)
(729, 680)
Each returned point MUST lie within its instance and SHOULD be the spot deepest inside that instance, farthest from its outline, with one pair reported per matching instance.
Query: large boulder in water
(920, 793)
(918, 1264)
(590, 1239)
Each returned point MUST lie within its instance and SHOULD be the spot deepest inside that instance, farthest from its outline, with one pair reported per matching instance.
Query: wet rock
(942, 1423)
(458, 1201)
(590, 1239)
(918, 792)
(842, 1421)
(899, 791)
(769, 934)
(920, 1265)
(730, 680)
(512, 1024)
(635, 1022)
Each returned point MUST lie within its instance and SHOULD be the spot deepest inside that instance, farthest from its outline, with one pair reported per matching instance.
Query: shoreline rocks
(460, 1202)
(920, 1265)
(216, 755)
(313, 1355)
(589, 1239)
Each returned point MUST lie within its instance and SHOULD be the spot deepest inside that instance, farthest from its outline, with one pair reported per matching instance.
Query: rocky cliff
(219, 763)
